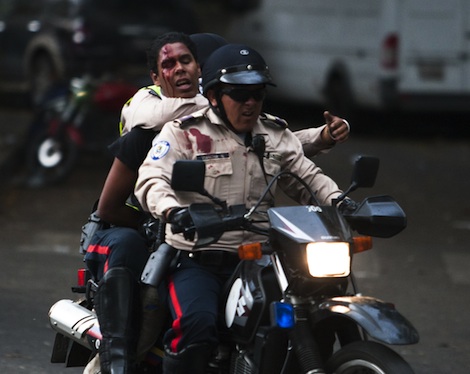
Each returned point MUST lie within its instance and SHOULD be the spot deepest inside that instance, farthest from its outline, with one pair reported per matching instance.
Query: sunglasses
(242, 95)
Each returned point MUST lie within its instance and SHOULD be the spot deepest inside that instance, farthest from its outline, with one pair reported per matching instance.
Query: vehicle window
(5, 8)
(26, 7)
(143, 5)
(60, 8)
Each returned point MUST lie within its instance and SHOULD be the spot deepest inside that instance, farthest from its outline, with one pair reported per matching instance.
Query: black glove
(181, 221)
(89, 229)
(153, 231)
(347, 207)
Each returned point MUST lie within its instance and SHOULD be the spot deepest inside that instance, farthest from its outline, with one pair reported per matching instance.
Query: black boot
(192, 360)
(117, 305)
(154, 315)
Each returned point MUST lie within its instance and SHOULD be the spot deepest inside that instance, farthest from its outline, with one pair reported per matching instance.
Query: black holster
(158, 265)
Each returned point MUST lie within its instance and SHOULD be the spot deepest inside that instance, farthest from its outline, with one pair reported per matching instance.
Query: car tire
(338, 94)
(43, 76)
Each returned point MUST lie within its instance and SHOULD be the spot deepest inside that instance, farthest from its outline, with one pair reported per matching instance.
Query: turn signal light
(362, 243)
(251, 251)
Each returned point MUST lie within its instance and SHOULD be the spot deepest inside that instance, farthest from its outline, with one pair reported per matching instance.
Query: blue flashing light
(283, 315)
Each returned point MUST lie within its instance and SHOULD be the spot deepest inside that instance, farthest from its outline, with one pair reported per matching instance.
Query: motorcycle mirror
(365, 171)
(364, 174)
(188, 175)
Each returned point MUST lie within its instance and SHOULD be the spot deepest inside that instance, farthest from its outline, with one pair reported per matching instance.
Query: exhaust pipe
(75, 322)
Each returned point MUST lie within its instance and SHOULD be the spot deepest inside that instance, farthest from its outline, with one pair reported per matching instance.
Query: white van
(342, 54)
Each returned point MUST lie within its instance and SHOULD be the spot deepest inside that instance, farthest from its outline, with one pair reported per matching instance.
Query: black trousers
(195, 288)
(116, 247)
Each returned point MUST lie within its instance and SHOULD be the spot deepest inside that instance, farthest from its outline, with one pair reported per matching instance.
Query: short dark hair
(168, 38)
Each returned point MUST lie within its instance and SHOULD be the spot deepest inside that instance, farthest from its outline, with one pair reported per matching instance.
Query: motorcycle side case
(380, 320)
(250, 290)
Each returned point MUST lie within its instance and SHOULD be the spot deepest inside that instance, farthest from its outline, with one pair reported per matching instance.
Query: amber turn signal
(251, 251)
(362, 243)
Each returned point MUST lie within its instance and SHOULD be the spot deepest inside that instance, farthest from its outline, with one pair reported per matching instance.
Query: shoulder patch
(273, 121)
(160, 149)
(190, 119)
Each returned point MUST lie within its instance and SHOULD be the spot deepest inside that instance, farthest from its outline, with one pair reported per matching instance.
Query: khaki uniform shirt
(149, 109)
(233, 170)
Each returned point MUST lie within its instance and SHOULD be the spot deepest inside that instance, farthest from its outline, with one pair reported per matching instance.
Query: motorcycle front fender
(380, 320)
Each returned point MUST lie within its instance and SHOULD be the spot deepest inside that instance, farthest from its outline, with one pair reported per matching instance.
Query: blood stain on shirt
(203, 142)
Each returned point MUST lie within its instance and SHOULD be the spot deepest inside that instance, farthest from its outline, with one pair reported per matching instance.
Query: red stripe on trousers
(100, 249)
(176, 326)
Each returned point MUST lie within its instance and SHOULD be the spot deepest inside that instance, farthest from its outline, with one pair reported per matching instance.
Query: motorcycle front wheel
(51, 159)
(365, 357)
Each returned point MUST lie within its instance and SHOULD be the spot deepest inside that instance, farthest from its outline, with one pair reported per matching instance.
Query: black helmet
(206, 43)
(235, 64)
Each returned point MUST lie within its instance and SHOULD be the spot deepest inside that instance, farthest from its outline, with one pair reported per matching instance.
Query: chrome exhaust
(75, 322)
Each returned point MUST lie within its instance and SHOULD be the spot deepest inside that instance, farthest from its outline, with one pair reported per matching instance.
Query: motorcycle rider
(144, 109)
(116, 256)
(234, 80)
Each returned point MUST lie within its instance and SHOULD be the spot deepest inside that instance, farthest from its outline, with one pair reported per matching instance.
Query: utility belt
(212, 258)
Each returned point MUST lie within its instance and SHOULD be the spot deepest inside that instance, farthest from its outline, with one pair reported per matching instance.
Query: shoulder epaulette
(273, 121)
(190, 119)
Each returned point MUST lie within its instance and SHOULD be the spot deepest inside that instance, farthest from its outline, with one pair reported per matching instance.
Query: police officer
(234, 81)
(116, 256)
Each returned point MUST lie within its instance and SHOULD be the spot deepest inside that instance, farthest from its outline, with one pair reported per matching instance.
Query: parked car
(45, 41)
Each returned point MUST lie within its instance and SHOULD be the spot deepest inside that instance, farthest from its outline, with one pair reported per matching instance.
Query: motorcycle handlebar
(210, 222)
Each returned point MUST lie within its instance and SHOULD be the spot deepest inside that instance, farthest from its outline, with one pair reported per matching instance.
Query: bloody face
(178, 71)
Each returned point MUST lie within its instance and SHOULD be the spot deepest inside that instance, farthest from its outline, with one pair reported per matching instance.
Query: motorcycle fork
(313, 346)
(304, 344)
(360, 333)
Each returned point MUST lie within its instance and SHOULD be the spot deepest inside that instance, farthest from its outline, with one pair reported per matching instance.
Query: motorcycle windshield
(304, 224)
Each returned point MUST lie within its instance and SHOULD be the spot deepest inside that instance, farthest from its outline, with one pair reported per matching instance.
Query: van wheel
(44, 76)
(339, 98)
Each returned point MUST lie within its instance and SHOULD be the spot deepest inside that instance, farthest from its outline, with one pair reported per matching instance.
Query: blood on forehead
(167, 57)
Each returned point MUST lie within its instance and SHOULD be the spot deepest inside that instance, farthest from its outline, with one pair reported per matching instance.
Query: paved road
(424, 270)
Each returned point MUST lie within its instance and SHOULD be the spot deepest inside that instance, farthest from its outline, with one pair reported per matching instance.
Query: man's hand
(336, 130)
(347, 206)
(181, 221)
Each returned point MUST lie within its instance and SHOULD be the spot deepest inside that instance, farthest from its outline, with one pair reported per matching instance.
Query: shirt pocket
(219, 172)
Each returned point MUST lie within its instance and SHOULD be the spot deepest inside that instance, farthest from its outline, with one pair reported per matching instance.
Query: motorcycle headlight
(328, 259)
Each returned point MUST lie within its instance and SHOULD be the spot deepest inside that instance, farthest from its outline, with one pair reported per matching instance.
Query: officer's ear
(212, 97)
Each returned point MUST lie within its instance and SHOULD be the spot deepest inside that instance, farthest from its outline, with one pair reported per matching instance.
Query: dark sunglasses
(242, 95)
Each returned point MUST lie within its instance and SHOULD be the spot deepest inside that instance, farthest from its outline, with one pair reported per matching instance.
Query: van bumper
(392, 99)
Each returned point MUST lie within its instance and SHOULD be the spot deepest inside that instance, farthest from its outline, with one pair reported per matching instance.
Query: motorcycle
(71, 118)
(292, 304)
